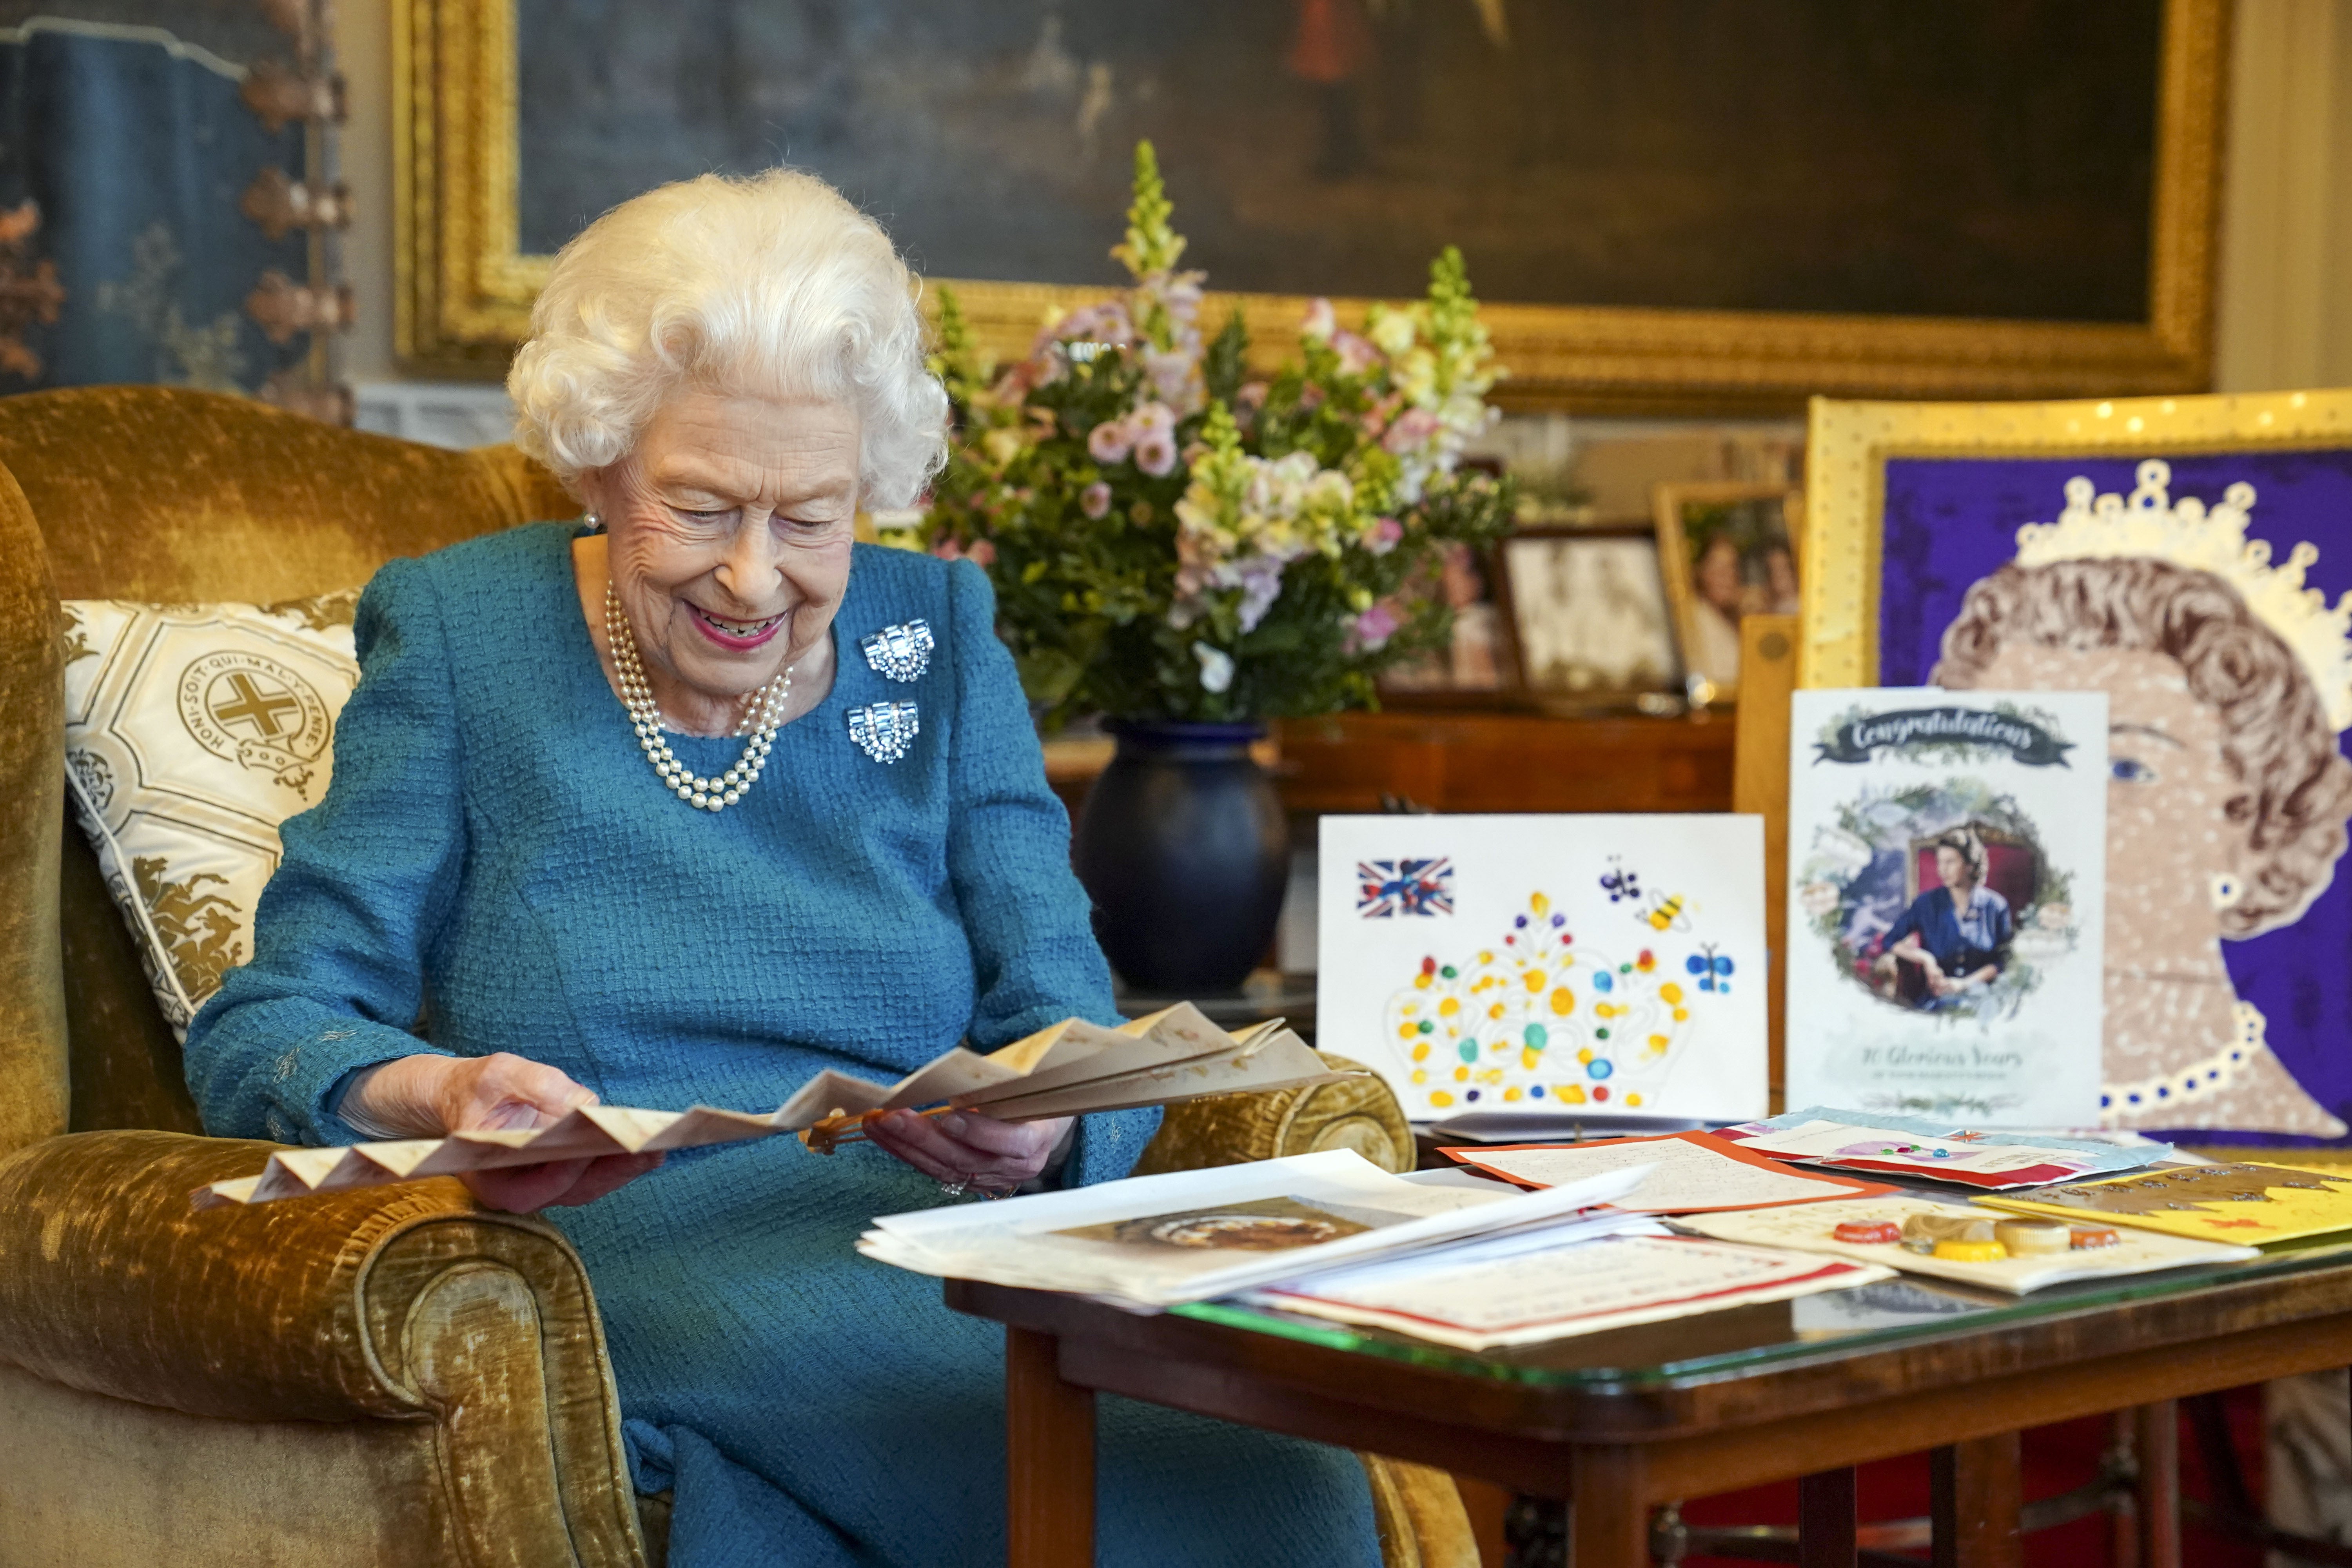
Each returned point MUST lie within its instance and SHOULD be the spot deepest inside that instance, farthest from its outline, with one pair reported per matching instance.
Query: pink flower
(1110, 441)
(982, 553)
(1373, 627)
(1181, 294)
(1385, 535)
(1250, 395)
(1357, 353)
(1170, 372)
(1156, 453)
(1152, 419)
(1320, 321)
(1094, 500)
(1413, 428)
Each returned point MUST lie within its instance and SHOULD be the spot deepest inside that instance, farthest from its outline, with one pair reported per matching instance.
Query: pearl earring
(2226, 890)
(594, 522)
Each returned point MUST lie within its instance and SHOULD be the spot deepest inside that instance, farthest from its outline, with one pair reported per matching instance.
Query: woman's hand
(428, 1096)
(964, 1147)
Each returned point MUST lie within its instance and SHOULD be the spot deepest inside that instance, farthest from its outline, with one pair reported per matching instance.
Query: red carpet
(2057, 1460)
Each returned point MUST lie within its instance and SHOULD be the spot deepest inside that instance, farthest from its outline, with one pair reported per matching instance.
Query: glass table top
(1747, 1338)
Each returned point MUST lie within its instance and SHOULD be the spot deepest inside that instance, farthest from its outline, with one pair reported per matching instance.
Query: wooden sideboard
(1475, 761)
(1505, 762)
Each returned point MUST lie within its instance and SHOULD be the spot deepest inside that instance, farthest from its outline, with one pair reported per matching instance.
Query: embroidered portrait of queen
(2228, 686)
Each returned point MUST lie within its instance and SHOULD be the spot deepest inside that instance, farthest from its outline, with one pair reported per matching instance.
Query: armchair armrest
(110, 1283)
(404, 1303)
(1361, 1114)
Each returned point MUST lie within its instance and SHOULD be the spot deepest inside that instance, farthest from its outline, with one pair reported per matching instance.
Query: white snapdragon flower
(1391, 329)
(1216, 667)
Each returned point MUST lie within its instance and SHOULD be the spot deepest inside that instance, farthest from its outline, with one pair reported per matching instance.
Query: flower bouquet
(1174, 538)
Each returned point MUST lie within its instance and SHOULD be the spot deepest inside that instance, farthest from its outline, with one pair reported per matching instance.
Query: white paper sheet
(1554, 1293)
(1160, 1240)
(1693, 1171)
(1951, 1159)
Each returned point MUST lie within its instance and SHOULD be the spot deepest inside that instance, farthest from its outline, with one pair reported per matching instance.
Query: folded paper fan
(1071, 1069)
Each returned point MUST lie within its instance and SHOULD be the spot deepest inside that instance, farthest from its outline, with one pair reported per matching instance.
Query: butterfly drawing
(1713, 968)
(1385, 888)
(1621, 883)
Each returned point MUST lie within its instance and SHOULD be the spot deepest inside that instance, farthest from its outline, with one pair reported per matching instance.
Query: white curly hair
(773, 284)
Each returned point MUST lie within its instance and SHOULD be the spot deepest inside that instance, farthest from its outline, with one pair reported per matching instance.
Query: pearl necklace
(761, 718)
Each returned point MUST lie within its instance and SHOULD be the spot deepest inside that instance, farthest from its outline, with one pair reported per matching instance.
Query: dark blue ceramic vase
(1183, 845)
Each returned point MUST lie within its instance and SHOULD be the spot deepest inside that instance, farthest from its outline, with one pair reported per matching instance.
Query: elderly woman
(644, 809)
(2227, 797)
(1954, 937)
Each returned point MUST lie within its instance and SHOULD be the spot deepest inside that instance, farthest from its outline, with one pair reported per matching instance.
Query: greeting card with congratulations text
(1946, 860)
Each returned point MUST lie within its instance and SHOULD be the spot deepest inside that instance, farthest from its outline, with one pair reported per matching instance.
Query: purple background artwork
(1951, 520)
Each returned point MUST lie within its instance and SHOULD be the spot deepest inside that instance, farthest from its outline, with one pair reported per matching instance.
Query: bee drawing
(1713, 969)
(1620, 883)
(1666, 914)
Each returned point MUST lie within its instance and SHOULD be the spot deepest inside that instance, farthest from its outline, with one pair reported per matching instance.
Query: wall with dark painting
(1975, 157)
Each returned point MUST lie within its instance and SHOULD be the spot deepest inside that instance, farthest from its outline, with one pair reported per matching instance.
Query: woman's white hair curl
(773, 284)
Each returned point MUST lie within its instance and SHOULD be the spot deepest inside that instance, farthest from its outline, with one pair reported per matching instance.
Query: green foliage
(1169, 537)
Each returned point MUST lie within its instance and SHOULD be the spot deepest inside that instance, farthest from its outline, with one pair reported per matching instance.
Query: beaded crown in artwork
(2151, 525)
(1544, 1019)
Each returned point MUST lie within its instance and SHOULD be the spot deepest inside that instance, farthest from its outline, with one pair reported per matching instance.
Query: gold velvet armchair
(388, 1378)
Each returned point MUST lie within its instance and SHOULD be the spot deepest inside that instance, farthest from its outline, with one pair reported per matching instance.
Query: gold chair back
(162, 494)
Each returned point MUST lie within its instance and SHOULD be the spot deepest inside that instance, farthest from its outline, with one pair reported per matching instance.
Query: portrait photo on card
(1609, 965)
(1947, 865)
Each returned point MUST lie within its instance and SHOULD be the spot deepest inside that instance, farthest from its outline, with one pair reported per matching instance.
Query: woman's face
(731, 526)
(1952, 867)
(1718, 576)
(2169, 790)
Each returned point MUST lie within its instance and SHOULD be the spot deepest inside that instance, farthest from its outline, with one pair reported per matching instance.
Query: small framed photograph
(1587, 612)
(1728, 550)
(1474, 669)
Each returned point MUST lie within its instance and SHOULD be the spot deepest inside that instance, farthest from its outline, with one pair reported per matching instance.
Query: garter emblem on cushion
(900, 652)
(884, 731)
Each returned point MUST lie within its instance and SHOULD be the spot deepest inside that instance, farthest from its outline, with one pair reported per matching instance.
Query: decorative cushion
(192, 732)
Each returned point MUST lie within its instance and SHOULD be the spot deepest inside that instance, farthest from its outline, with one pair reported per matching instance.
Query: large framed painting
(2191, 557)
(2022, 203)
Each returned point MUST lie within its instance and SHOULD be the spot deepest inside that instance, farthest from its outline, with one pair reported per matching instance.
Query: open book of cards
(1071, 1068)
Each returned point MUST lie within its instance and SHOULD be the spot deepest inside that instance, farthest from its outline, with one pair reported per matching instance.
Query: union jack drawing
(1389, 887)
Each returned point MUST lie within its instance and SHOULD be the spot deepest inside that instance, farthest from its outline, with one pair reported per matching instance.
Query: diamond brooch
(900, 653)
(884, 731)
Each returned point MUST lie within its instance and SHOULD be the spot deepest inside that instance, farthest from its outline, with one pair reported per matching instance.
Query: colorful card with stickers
(1605, 964)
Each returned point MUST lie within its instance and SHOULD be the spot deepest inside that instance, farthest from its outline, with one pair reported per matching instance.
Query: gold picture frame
(1672, 503)
(1848, 446)
(464, 287)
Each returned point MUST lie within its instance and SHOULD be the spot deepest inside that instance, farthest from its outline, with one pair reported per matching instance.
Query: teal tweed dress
(494, 852)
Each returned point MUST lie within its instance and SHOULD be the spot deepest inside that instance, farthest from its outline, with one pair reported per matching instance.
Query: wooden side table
(1618, 1423)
